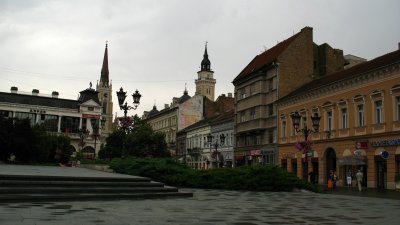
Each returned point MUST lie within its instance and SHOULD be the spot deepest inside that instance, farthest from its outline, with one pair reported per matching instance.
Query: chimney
(166, 106)
(54, 94)
(14, 90)
(230, 95)
(35, 92)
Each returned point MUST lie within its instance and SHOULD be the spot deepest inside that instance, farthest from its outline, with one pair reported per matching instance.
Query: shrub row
(252, 178)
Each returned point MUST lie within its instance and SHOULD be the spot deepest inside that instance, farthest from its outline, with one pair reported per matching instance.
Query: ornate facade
(359, 128)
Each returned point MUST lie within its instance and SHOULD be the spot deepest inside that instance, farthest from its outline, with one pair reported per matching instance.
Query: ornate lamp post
(216, 145)
(296, 117)
(82, 136)
(121, 94)
(95, 134)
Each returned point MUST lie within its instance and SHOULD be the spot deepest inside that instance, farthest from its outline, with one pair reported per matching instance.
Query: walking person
(334, 179)
(359, 177)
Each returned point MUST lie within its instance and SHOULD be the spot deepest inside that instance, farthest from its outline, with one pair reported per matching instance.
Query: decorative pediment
(377, 94)
(359, 99)
(395, 89)
(90, 103)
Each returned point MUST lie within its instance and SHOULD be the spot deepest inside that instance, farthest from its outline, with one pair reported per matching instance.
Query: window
(247, 140)
(50, 122)
(258, 140)
(252, 89)
(270, 84)
(270, 136)
(343, 112)
(329, 120)
(270, 110)
(253, 113)
(105, 107)
(360, 116)
(242, 116)
(242, 94)
(69, 124)
(283, 128)
(269, 157)
(397, 108)
(378, 112)
(90, 108)
(29, 116)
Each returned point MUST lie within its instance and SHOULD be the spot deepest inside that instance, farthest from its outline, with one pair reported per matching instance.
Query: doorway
(330, 161)
(381, 172)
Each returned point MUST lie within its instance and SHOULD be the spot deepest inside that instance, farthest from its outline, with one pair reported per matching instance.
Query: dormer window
(90, 108)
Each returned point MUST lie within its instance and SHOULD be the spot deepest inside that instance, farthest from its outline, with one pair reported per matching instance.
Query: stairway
(29, 188)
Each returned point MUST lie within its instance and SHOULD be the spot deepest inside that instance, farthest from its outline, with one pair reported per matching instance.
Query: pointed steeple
(104, 69)
(205, 63)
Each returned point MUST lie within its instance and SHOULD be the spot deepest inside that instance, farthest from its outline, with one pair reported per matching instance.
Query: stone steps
(27, 188)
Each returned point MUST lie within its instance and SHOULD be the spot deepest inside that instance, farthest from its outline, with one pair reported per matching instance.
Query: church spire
(104, 69)
(205, 63)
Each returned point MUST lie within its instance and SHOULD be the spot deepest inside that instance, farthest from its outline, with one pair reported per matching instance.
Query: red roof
(357, 70)
(265, 58)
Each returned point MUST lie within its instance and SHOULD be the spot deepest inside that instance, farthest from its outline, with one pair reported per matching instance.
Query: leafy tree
(138, 139)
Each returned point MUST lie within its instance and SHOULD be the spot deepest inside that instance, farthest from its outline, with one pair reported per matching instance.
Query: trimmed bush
(251, 178)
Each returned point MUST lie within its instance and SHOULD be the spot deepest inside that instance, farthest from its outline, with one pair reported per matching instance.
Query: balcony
(256, 124)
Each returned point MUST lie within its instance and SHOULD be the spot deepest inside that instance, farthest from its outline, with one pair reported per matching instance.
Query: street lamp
(121, 94)
(216, 145)
(82, 136)
(95, 127)
(296, 117)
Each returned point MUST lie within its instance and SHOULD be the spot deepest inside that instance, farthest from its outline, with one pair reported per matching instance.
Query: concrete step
(81, 190)
(85, 197)
(46, 183)
(73, 178)
(104, 186)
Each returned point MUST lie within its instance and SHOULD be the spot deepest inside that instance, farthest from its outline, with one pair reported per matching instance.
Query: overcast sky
(157, 46)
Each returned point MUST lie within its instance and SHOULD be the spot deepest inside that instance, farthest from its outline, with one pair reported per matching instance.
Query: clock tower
(205, 82)
(104, 87)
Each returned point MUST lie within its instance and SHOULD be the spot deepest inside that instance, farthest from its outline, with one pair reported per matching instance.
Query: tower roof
(205, 63)
(104, 68)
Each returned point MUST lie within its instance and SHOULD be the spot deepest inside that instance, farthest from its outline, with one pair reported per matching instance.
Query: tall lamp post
(121, 94)
(95, 127)
(82, 135)
(296, 117)
(216, 145)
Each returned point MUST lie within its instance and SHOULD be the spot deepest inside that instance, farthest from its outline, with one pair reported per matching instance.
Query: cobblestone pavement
(211, 207)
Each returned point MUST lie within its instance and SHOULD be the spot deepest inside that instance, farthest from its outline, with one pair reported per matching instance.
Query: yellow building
(359, 126)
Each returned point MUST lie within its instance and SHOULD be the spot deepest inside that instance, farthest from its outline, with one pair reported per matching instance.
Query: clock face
(105, 95)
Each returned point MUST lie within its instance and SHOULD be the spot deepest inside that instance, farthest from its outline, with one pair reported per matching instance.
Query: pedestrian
(334, 179)
(330, 180)
(359, 177)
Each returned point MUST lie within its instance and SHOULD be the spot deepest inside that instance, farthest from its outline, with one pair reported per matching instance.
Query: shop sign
(38, 111)
(89, 116)
(383, 143)
(289, 155)
(361, 144)
(255, 152)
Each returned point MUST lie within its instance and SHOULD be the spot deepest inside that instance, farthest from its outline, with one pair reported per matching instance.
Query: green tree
(138, 140)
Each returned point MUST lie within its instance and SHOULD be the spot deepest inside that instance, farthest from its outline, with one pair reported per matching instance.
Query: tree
(138, 139)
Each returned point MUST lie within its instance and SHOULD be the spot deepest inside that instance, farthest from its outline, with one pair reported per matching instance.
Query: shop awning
(351, 160)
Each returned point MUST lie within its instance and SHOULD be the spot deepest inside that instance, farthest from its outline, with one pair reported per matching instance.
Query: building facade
(185, 110)
(268, 77)
(359, 127)
(89, 117)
